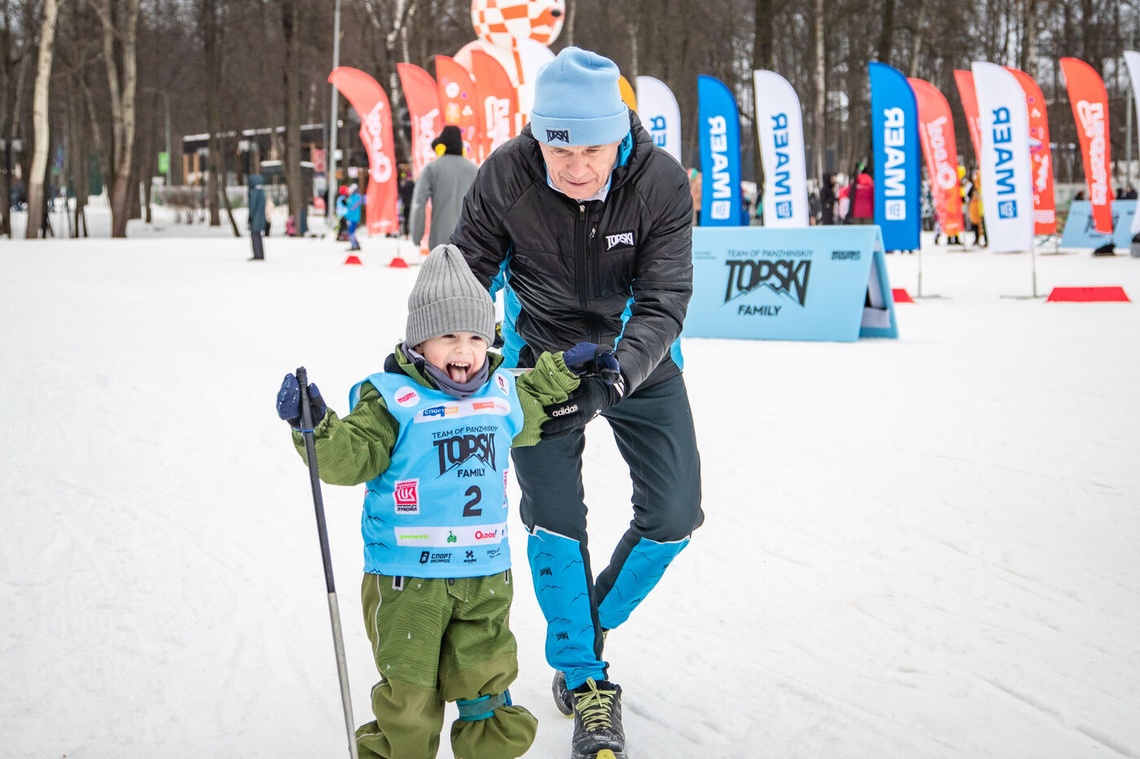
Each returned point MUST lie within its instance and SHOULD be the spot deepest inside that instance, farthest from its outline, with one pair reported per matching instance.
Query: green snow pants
(434, 641)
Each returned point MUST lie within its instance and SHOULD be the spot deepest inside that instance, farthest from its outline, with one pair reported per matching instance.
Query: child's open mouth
(459, 373)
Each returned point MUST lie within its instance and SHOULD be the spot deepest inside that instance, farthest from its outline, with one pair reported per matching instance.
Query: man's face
(580, 171)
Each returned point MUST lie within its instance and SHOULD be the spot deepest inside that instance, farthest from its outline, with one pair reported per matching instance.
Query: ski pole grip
(306, 411)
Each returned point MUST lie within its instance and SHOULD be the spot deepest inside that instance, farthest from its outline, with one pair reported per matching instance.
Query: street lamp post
(166, 106)
(330, 203)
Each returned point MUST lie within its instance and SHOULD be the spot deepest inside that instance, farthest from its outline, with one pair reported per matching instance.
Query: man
(258, 224)
(444, 182)
(590, 226)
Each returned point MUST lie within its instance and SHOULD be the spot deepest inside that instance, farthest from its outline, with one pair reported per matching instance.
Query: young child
(430, 435)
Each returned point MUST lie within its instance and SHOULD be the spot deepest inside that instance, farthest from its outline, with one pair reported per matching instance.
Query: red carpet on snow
(901, 295)
(1087, 295)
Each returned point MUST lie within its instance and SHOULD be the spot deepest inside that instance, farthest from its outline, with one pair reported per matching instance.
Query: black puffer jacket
(573, 266)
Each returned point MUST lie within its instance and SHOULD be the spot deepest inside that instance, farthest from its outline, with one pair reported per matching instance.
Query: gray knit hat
(447, 298)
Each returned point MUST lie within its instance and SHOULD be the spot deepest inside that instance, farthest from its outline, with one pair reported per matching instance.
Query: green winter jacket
(358, 447)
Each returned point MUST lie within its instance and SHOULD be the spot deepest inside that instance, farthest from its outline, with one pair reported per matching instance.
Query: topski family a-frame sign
(814, 283)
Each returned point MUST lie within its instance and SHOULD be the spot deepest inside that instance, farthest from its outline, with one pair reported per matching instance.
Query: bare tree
(212, 31)
(16, 58)
(917, 34)
(120, 33)
(819, 75)
(293, 92)
(37, 199)
(391, 20)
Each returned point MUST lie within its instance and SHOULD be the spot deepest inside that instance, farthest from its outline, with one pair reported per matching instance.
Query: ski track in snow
(920, 548)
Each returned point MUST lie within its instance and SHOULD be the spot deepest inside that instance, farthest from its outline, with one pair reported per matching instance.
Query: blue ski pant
(653, 428)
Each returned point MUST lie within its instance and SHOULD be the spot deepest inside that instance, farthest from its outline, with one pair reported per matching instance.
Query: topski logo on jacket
(621, 238)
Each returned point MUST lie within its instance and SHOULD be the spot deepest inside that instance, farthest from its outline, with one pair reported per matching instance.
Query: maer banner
(660, 114)
(780, 131)
(815, 283)
(719, 123)
(898, 172)
(1007, 181)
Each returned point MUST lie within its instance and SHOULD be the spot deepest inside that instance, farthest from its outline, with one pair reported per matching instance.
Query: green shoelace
(594, 706)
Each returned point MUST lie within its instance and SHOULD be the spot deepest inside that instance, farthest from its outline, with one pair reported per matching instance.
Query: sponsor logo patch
(558, 135)
(407, 396)
(621, 238)
(406, 496)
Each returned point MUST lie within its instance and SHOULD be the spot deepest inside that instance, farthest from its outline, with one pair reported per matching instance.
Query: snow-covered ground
(914, 548)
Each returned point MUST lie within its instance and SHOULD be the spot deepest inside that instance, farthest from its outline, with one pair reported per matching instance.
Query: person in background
(444, 182)
(588, 227)
(927, 206)
(976, 211)
(815, 207)
(257, 218)
(827, 200)
(340, 225)
(405, 189)
(843, 203)
(429, 435)
(353, 211)
(862, 197)
(963, 194)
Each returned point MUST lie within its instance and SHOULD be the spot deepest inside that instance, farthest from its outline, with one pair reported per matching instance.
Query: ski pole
(322, 533)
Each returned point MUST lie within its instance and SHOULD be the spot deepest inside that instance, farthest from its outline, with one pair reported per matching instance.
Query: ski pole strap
(483, 707)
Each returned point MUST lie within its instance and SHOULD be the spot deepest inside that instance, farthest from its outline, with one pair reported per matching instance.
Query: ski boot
(563, 698)
(598, 732)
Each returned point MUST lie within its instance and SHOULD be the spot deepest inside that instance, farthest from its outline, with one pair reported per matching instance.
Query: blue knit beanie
(577, 101)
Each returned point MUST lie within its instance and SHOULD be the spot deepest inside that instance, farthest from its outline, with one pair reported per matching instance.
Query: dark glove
(593, 360)
(592, 397)
(289, 402)
(602, 386)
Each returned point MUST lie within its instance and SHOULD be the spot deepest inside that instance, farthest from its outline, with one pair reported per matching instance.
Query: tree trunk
(763, 57)
(293, 78)
(887, 32)
(917, 38)
(568, 24)
(6, 124)
(819, 72)
(210, 19)
(119, 49)
(37, 198)
(1029, 56)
